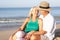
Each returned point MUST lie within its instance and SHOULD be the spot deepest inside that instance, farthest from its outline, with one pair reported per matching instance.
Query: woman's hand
(28, 35)
(10, 38)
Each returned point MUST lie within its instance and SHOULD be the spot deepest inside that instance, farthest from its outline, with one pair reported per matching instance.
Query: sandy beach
(4, 34)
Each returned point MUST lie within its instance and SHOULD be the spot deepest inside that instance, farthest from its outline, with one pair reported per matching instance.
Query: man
(49, 24)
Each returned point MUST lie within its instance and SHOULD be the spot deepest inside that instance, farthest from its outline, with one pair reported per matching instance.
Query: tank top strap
(32, 21)
(37, 20)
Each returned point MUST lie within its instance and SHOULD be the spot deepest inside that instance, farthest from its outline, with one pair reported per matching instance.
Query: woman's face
(35, 12)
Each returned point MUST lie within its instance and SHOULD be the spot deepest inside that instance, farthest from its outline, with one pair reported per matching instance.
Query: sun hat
(44, 6)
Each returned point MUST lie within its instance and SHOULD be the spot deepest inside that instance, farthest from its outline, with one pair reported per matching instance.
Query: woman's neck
(34, 18)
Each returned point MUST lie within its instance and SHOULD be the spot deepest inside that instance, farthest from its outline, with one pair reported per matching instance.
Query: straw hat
(44, 6)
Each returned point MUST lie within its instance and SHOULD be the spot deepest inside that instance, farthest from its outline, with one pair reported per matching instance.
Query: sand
(4, 34)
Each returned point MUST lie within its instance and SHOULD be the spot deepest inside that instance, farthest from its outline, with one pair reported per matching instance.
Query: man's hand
(31, 32)
(43, 32)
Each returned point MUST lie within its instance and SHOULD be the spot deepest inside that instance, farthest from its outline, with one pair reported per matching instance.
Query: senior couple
(35, 26)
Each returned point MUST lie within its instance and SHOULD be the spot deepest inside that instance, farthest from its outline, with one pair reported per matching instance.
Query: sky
(26, 3)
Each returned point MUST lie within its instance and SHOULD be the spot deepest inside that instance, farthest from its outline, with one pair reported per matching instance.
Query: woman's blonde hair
(30, 13)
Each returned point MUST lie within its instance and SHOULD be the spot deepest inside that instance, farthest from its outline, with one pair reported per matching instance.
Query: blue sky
(26, 3)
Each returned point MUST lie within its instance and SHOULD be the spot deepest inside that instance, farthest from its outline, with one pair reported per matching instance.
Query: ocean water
(55, 11)
(7, 14)
(23, 12)
(14, 12)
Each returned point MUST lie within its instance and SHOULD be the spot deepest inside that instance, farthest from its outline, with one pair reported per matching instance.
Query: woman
(31, 28)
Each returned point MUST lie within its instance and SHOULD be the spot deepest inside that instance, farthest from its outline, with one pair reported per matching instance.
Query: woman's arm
(21, 28)
(24, 24)
(41, 31)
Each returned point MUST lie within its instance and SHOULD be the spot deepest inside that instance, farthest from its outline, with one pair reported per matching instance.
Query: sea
(14, 17)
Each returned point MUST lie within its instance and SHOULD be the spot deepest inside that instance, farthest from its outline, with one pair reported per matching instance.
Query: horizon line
(25, 7)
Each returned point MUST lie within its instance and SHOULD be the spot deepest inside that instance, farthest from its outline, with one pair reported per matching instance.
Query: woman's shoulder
(28, 18)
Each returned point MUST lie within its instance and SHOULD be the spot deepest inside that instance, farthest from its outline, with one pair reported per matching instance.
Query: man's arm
(51, 25)
(54, 27)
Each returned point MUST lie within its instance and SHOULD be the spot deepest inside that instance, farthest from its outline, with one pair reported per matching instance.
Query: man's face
(43, 12)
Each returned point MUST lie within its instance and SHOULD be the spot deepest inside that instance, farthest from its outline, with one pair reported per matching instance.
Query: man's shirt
(49, 24)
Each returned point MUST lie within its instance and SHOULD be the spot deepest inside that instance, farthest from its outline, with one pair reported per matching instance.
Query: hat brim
(45, 9)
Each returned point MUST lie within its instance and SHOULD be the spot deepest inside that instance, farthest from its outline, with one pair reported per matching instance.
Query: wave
(11, 21)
